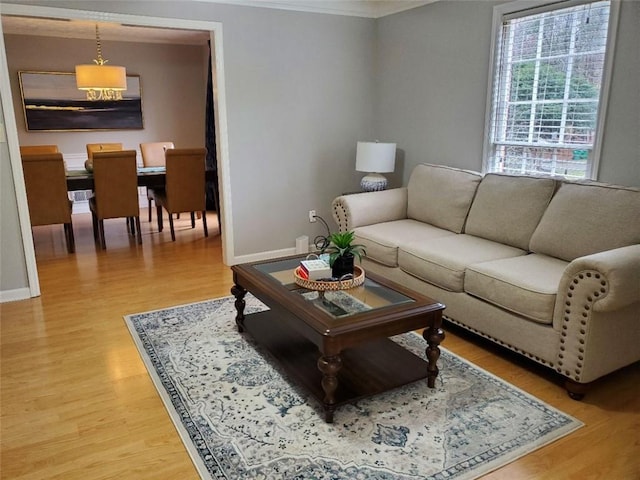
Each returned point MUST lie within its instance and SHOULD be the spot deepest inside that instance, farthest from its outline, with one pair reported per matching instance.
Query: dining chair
(99, 147)
(88, 164)
(47, 198)
(153, 156)
(184, 187)
(37, 149)
(115, 180)
(102, 147)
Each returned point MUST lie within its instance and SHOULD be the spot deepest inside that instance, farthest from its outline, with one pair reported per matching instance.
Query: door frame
(220, 115)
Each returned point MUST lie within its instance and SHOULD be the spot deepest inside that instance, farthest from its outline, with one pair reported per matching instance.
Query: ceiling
(111, 31)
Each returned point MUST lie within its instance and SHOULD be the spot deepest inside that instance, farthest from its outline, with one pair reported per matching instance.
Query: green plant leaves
(340, 244)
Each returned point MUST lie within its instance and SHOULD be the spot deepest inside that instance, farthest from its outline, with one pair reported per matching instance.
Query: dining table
(147, 177)
(151, 177)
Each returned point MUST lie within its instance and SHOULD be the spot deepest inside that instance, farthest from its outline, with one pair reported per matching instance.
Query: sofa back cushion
(588, 218)
(507, 209)
(441, 196)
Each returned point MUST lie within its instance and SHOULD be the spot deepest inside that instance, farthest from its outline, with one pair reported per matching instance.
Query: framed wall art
(52, 102)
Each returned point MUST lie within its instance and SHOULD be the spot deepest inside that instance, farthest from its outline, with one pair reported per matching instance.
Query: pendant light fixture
(101, 81)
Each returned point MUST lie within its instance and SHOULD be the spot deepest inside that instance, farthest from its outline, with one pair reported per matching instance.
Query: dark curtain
(213, 197)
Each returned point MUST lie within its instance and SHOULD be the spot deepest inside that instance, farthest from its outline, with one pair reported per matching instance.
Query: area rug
(241, 418)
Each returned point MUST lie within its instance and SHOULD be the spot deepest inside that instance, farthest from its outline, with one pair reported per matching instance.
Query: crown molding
(354, 8)
(17, 19)
(384, 8)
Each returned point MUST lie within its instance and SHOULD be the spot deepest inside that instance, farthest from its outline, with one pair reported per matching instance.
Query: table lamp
(375, 158)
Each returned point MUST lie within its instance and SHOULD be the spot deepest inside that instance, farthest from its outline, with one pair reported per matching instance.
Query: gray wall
(172, 80)
(433, 66)
(299, 96)
(13, 269)
(620, 161)
(299, 91)
(303, 88)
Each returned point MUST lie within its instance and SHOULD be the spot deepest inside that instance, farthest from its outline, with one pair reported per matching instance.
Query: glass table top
(337, 303)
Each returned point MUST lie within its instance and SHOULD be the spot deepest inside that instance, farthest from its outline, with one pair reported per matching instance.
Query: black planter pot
(342, 266)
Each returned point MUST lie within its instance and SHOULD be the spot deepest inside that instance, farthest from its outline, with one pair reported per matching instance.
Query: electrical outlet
(312, 216)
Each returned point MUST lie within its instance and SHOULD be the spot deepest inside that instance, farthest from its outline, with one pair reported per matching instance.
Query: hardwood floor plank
(76, 401)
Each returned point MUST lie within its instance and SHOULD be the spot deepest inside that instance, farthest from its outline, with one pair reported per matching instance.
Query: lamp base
(373, 182)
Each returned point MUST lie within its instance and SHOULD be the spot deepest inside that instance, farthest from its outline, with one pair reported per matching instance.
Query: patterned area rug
(240, 418)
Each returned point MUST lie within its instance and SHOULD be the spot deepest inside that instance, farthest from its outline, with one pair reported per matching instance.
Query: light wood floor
(77, 403)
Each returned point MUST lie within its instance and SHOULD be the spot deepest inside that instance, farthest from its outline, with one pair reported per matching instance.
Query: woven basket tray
(358, 279)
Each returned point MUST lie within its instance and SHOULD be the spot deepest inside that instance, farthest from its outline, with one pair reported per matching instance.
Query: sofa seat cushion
(381, 240)
(507, 208)
(441, 196)
(443, 261)
(526, 285)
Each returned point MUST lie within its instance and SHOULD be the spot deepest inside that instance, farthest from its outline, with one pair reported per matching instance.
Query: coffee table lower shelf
(367, 369)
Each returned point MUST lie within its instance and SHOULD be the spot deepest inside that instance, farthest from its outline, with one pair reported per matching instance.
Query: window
(547, 89)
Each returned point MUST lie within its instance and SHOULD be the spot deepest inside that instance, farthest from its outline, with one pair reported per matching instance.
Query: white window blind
(546, 91)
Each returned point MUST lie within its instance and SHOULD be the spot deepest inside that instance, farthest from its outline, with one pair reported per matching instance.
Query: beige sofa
(547, 268)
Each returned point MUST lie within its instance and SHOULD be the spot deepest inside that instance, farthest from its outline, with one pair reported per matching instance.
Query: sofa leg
(576, 390)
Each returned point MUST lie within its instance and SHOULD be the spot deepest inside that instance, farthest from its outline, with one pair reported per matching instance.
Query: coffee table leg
(239, 293)
(329, 366)
(433, 335)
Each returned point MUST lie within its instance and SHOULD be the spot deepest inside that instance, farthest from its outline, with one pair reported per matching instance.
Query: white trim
(94, 16)
(493, 58)
(24, 219)
(220, 113)
(614, 14)
(222, 148)
(524, 8)
(353, 8)
(502, 10)
(382, 9)
(257, 257)
(15, 295)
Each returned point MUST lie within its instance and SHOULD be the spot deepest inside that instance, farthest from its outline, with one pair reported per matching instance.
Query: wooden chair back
(153, 153)
(37, 149)
(46, 184)
(102, 147)
(115, 184)
(185, 185)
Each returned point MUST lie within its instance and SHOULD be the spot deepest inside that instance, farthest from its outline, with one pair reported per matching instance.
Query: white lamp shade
(375, 157)
(97, 77)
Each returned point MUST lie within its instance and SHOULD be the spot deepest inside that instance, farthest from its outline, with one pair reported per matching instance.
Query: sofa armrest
(614, 276)
(368, 208)
(597, 314)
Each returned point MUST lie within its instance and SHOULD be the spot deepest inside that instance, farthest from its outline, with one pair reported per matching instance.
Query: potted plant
(342, 253)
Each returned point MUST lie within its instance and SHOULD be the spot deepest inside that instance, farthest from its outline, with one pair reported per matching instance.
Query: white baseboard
(14, 295)
(256, 257)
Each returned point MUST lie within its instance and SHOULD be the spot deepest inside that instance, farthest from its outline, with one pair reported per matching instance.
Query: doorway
(218, 90)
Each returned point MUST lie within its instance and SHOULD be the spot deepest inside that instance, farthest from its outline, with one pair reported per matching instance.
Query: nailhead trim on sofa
(574, 324)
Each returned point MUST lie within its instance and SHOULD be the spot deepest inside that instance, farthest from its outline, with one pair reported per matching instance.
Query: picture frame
(51, 102)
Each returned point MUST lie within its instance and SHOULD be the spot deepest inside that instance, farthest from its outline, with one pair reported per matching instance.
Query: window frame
(521, 8)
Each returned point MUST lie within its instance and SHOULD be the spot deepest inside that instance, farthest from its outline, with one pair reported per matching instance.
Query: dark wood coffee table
(336, 344)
